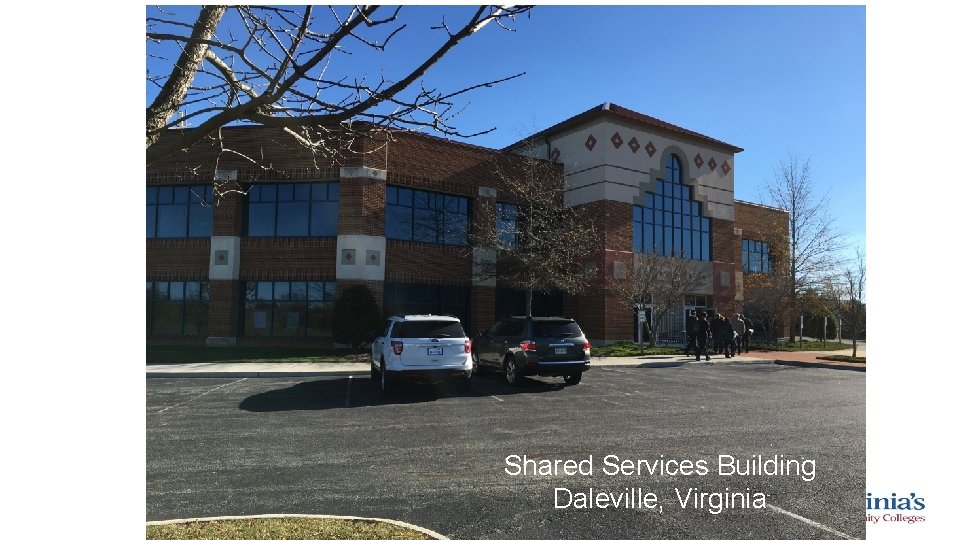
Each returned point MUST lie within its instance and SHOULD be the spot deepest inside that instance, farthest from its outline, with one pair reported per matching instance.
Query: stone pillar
(224, 267)
(361, 242)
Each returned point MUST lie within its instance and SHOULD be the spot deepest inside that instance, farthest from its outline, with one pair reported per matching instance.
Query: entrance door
(636, 325)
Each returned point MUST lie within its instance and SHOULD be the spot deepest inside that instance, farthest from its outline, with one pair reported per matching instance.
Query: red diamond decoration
(634, 144)
(725, 167)
(591, 142)
(651, 149)
(617, 140)
(698, 161)
(712, 164)
(555, 154)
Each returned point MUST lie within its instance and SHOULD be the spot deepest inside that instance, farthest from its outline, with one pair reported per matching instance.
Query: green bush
(355, 316)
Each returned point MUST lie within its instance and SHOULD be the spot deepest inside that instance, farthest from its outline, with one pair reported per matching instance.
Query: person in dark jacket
(715, 322)
(739, 328)
(691, 330)
(727, 336)
(702, 335)
(747, 334)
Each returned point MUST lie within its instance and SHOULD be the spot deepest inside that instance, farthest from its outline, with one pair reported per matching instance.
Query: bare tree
(844, 293)
(275, 66)
(660, 280)
(540, 243)
(814, 242)
(855, 279)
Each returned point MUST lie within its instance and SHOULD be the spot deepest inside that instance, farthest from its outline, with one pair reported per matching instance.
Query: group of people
(730, 336)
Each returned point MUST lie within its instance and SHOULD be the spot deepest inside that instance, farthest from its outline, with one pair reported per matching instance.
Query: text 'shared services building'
(261, 262)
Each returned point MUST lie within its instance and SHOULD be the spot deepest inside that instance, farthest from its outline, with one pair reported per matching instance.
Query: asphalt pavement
(437, 457)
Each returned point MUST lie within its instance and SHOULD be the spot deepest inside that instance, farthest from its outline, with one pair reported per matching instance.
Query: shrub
(355, 316)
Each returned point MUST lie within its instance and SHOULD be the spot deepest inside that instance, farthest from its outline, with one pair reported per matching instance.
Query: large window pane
(324, 219)
(399, 225)
(262, 219)
(151, 221)
(172, 221)
(288, 308)
(201, 221)
(177, 308)
(293, 210)
(293, 218)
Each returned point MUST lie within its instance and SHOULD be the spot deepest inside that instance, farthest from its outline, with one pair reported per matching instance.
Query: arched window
(671, 222)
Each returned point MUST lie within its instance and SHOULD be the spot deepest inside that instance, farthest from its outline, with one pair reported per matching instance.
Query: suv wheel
(386, 384)
(476, 365)
(573, 379)
(511, 373)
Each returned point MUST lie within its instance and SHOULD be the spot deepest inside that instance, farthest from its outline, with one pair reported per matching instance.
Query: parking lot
(434, 456)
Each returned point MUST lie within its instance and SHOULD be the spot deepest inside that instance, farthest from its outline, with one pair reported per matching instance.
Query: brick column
(224, 263)
(361, 255)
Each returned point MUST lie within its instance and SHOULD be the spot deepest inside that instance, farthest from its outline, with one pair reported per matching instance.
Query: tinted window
(293, 210)
(556, 329)
(512, 328)
(179, 212)
(428, 329)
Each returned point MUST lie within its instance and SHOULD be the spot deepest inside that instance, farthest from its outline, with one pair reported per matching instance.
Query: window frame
(275, 200)
(196, 201)
(671, 221)
(406, 216)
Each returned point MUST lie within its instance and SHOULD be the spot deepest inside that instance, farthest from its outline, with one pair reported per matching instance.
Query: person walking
(726, 337)
(715, 321)
(739, 329)
(691, 330)
(748, 333)
(702, 335)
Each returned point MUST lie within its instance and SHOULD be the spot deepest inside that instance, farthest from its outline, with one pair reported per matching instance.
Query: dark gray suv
(550, 346)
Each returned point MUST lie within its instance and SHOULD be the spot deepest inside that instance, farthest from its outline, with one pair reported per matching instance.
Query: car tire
(511, 373)
(374, 374)
(463, 385)
(387, 383)
(477, 368)
(573, 379)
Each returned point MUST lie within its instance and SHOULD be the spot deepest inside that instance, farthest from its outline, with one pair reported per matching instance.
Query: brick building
(260, 258)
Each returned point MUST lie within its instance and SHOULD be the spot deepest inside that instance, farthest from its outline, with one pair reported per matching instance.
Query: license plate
(560, 350)
(434, 350)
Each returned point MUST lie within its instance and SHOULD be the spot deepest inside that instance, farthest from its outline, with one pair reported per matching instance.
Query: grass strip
(280, 528)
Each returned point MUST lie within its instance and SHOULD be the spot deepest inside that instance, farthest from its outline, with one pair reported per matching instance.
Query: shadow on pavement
(341, 392)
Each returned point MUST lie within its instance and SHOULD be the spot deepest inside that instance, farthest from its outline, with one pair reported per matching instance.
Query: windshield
(428, 329)
(556, 329)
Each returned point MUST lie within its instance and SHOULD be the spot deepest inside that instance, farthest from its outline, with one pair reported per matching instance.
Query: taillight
(586, 346)
(467, 345)
(397, 346)
(528, 345)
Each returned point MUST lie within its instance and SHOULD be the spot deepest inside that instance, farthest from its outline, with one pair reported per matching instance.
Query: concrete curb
(248, 374)
(256, 371)
(801, 363)
(428, 532)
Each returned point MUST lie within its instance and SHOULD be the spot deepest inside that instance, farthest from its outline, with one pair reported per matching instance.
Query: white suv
(424, 347)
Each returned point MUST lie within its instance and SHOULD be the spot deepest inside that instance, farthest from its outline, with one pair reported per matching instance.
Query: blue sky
(773, 80)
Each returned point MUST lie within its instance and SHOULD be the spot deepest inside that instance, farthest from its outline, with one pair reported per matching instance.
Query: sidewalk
(270, 369)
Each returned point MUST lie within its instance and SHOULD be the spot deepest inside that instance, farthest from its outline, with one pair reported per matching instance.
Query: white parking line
(496, 398)
(811, 522)
(198, 397)
(349, 382)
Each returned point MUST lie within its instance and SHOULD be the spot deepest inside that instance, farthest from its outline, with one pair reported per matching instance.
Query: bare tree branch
(270, 65)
